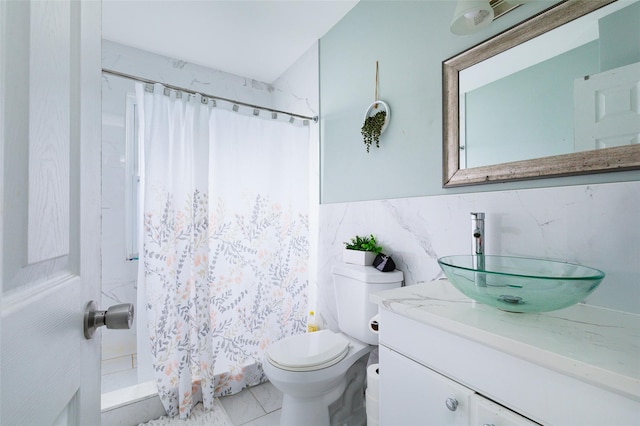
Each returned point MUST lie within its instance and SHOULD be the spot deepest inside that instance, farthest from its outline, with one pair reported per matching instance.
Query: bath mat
(198, 417)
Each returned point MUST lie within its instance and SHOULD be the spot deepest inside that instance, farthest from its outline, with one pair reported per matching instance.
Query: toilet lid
(310, 351)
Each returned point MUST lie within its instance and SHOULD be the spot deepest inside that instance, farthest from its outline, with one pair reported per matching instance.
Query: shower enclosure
(121, 360)
(119, 242)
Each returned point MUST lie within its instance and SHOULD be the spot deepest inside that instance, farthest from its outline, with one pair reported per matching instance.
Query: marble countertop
(599, 346)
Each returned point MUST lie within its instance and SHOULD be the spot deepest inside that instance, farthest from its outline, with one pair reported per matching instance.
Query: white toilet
(322, 374)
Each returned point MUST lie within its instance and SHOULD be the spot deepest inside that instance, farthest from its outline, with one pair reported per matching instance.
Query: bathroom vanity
(445, 359)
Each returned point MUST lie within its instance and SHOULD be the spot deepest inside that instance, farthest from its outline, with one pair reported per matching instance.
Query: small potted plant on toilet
(361, 250)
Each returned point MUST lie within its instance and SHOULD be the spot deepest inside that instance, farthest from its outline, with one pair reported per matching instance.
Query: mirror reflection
(571, 89)
(526, 95)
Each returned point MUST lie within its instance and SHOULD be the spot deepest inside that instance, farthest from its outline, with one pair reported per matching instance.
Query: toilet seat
(308, 352)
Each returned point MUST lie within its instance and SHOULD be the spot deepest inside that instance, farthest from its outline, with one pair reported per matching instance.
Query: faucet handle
(478, 215)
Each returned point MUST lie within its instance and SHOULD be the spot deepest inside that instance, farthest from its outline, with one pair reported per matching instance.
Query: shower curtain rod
(182, 89)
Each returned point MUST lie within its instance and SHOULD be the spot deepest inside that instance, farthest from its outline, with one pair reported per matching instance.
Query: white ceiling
(259, 39)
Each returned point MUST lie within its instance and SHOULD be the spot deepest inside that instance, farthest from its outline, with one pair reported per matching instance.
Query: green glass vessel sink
(519, 284)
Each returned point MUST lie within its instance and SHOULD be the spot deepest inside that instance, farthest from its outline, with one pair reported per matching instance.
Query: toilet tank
(353, 284)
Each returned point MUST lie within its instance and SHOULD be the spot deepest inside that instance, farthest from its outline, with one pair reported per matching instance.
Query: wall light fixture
(471, 16)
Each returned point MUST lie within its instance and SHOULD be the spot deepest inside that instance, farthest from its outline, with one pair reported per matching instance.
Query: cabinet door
(412, 394)
(487, 412)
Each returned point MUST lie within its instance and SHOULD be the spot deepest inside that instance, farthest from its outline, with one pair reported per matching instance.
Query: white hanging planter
(375, 108)
(370, 127)
(358, 257)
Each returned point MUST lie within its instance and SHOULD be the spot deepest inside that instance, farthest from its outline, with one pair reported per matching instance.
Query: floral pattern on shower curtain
(225, 243)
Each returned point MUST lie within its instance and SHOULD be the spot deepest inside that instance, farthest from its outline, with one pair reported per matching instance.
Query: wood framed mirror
(607, 153)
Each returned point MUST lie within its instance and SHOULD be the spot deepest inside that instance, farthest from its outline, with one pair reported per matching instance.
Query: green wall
(614, 37)
(532, 109)
(410, 39)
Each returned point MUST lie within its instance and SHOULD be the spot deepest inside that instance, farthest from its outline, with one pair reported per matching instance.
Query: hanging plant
(372, 128)
(376, 120)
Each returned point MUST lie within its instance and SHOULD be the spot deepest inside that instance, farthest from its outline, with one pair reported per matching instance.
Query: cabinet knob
(452, 404)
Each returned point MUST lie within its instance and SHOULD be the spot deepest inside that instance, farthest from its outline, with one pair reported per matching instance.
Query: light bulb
(471, 14)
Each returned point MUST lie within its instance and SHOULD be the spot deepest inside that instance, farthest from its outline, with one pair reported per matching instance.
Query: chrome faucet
(477, 228)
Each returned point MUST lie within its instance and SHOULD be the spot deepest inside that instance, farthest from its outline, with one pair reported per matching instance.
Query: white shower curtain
(225, 242)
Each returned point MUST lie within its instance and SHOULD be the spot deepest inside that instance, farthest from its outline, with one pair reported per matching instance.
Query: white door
(606, 109)
(50, 218)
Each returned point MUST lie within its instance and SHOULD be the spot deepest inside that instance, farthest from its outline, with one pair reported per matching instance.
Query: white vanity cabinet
(486, 412)
(429, 398)
(579, 366)
(412, 393)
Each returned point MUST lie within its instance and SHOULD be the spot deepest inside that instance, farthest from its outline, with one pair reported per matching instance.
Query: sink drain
(507, 298)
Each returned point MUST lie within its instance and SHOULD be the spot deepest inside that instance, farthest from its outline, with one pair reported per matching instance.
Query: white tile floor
(256, 406)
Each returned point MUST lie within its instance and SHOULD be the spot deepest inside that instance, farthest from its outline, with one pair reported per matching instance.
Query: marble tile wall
(296, 90)
(119, 275)
(593, 225)
(167, 70)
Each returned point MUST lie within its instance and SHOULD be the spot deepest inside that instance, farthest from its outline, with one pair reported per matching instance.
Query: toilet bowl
(322, 374)
(312, 370)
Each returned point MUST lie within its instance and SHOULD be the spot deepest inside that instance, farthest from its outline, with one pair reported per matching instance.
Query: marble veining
(597, 345)
(118, 292)
(592, 225)
(419, 233)
(179, 73)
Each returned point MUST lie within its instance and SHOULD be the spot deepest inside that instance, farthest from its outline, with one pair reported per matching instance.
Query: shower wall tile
(116, 292)
(115, 267)
(114, 365)
(594, 225)
(119, 275)
(167, 70)
(117, 343)
(116, 381)
(296, 90)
